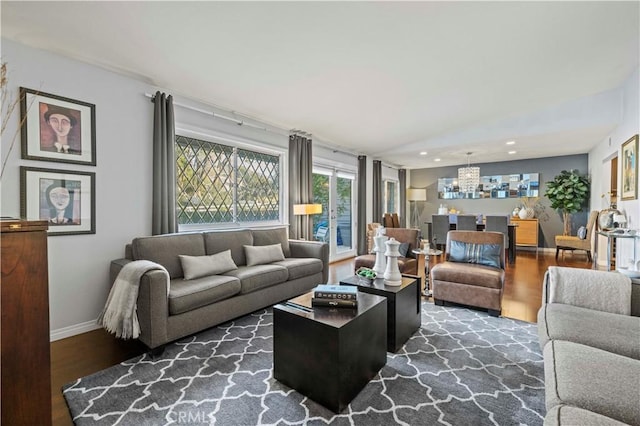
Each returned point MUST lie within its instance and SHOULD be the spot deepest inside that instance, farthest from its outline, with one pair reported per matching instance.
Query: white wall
(600, 166)
(79, 264)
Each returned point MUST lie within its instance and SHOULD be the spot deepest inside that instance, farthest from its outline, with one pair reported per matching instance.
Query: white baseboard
(72, 330)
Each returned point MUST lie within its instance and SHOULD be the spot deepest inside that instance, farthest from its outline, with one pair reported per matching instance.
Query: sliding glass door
(334, 189)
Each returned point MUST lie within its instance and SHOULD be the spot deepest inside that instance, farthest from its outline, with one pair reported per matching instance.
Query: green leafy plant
(568, 193)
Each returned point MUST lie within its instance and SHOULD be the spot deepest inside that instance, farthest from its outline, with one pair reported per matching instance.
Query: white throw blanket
(586, 288)
(119, 315)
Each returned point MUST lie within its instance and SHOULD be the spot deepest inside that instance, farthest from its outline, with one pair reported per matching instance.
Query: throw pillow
(582, 233)
(403, 248)
(482, 254)
(259, 255)
(201, 266)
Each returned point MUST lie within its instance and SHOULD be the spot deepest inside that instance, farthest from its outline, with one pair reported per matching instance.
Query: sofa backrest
(405, 235)
(218, 241)
(165, 249)
(477, 237)
(265, 237)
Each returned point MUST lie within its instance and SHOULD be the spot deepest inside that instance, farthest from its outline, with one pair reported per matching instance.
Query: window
(221, 184)
(391, 196)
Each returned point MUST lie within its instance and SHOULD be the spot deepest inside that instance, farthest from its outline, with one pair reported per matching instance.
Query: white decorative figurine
(392, 274)
(379, 249)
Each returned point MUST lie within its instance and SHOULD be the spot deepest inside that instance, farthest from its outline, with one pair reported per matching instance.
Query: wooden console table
(527, 232)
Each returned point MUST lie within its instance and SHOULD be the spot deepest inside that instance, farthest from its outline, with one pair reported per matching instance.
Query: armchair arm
(317, 249)
(599, 290)
(152, 306)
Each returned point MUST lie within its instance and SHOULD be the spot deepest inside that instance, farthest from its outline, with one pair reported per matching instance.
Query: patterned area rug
(461, 367)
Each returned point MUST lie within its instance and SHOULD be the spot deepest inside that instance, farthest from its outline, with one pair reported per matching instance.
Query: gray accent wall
(550, 220)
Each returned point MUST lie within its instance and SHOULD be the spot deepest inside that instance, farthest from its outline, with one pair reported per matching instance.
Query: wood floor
(90, 352)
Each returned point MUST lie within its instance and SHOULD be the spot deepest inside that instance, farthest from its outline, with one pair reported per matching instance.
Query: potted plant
(568, 193)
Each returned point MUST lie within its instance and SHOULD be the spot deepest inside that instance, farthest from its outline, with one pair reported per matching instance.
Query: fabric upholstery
(600, 290)
(201, 266)
(619, 334)
(186, 295)
(576, 243)
(165, 249)
(566, 415)
(256, 277)
(299, 268)
(265, 237)
(592, 379)
(261, 255)
(217, 241)
(468, 283)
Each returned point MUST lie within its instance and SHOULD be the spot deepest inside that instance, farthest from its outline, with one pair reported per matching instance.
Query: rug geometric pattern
(462, 367)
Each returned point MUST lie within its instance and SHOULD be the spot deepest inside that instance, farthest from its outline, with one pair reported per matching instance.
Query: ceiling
(385, 79)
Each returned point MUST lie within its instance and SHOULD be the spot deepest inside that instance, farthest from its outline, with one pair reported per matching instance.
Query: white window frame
(248, 144)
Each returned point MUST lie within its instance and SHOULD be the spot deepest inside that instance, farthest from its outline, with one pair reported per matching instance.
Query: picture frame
(64, 198)
(629, 175)
(57, 129)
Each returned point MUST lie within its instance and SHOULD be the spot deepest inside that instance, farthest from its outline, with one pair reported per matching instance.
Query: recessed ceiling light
(512, 152)
(436, 159)
(423, 153)
(511, 143)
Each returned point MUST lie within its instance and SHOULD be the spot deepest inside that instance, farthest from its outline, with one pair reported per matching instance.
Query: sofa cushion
(299, 267)
(566, 415)
(201, 266)
(186, 295)
(481, 254)
(217, 241)
(611, 332)
(468, 273)
(165, 249)
(261, 255)
(592, 379)
(260, 276)
(265, 237)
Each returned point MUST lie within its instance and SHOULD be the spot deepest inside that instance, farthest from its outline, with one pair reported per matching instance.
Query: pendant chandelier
(468, 177)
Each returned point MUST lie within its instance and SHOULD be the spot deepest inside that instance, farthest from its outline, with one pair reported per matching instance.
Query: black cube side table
(403, 306)
(329, 354)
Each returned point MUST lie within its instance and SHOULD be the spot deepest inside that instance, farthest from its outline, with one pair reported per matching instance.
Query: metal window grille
(220, 184)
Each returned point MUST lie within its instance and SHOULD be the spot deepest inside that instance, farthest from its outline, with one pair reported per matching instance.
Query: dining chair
(439, 229)
(499, 224)
(466, 222)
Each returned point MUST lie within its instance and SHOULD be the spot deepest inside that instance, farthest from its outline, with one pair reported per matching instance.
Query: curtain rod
(216, 115)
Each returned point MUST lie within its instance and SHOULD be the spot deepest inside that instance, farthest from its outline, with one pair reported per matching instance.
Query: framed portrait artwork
(64, 198)
(630, 169)
(57, 129)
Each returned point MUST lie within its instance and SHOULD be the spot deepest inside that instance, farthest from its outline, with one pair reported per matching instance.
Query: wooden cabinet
(24, 309)
(527, 232)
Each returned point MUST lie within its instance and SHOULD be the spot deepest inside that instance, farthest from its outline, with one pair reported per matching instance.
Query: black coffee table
(329, 354)
(403, 306)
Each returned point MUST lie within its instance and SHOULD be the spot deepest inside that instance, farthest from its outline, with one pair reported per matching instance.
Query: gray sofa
(169, 311)
(589, 329)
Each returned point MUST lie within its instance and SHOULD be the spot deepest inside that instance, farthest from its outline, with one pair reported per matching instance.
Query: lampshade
(468, 177)
(417, 194)
(300, 209)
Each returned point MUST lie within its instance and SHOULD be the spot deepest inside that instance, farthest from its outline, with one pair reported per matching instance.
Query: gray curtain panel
(164, 166)
(362, 204)
(402, 181)
(378, 198)
(300, 184)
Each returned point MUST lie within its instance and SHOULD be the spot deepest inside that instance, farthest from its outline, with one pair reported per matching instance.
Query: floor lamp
(414, 195)
(306, 210)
